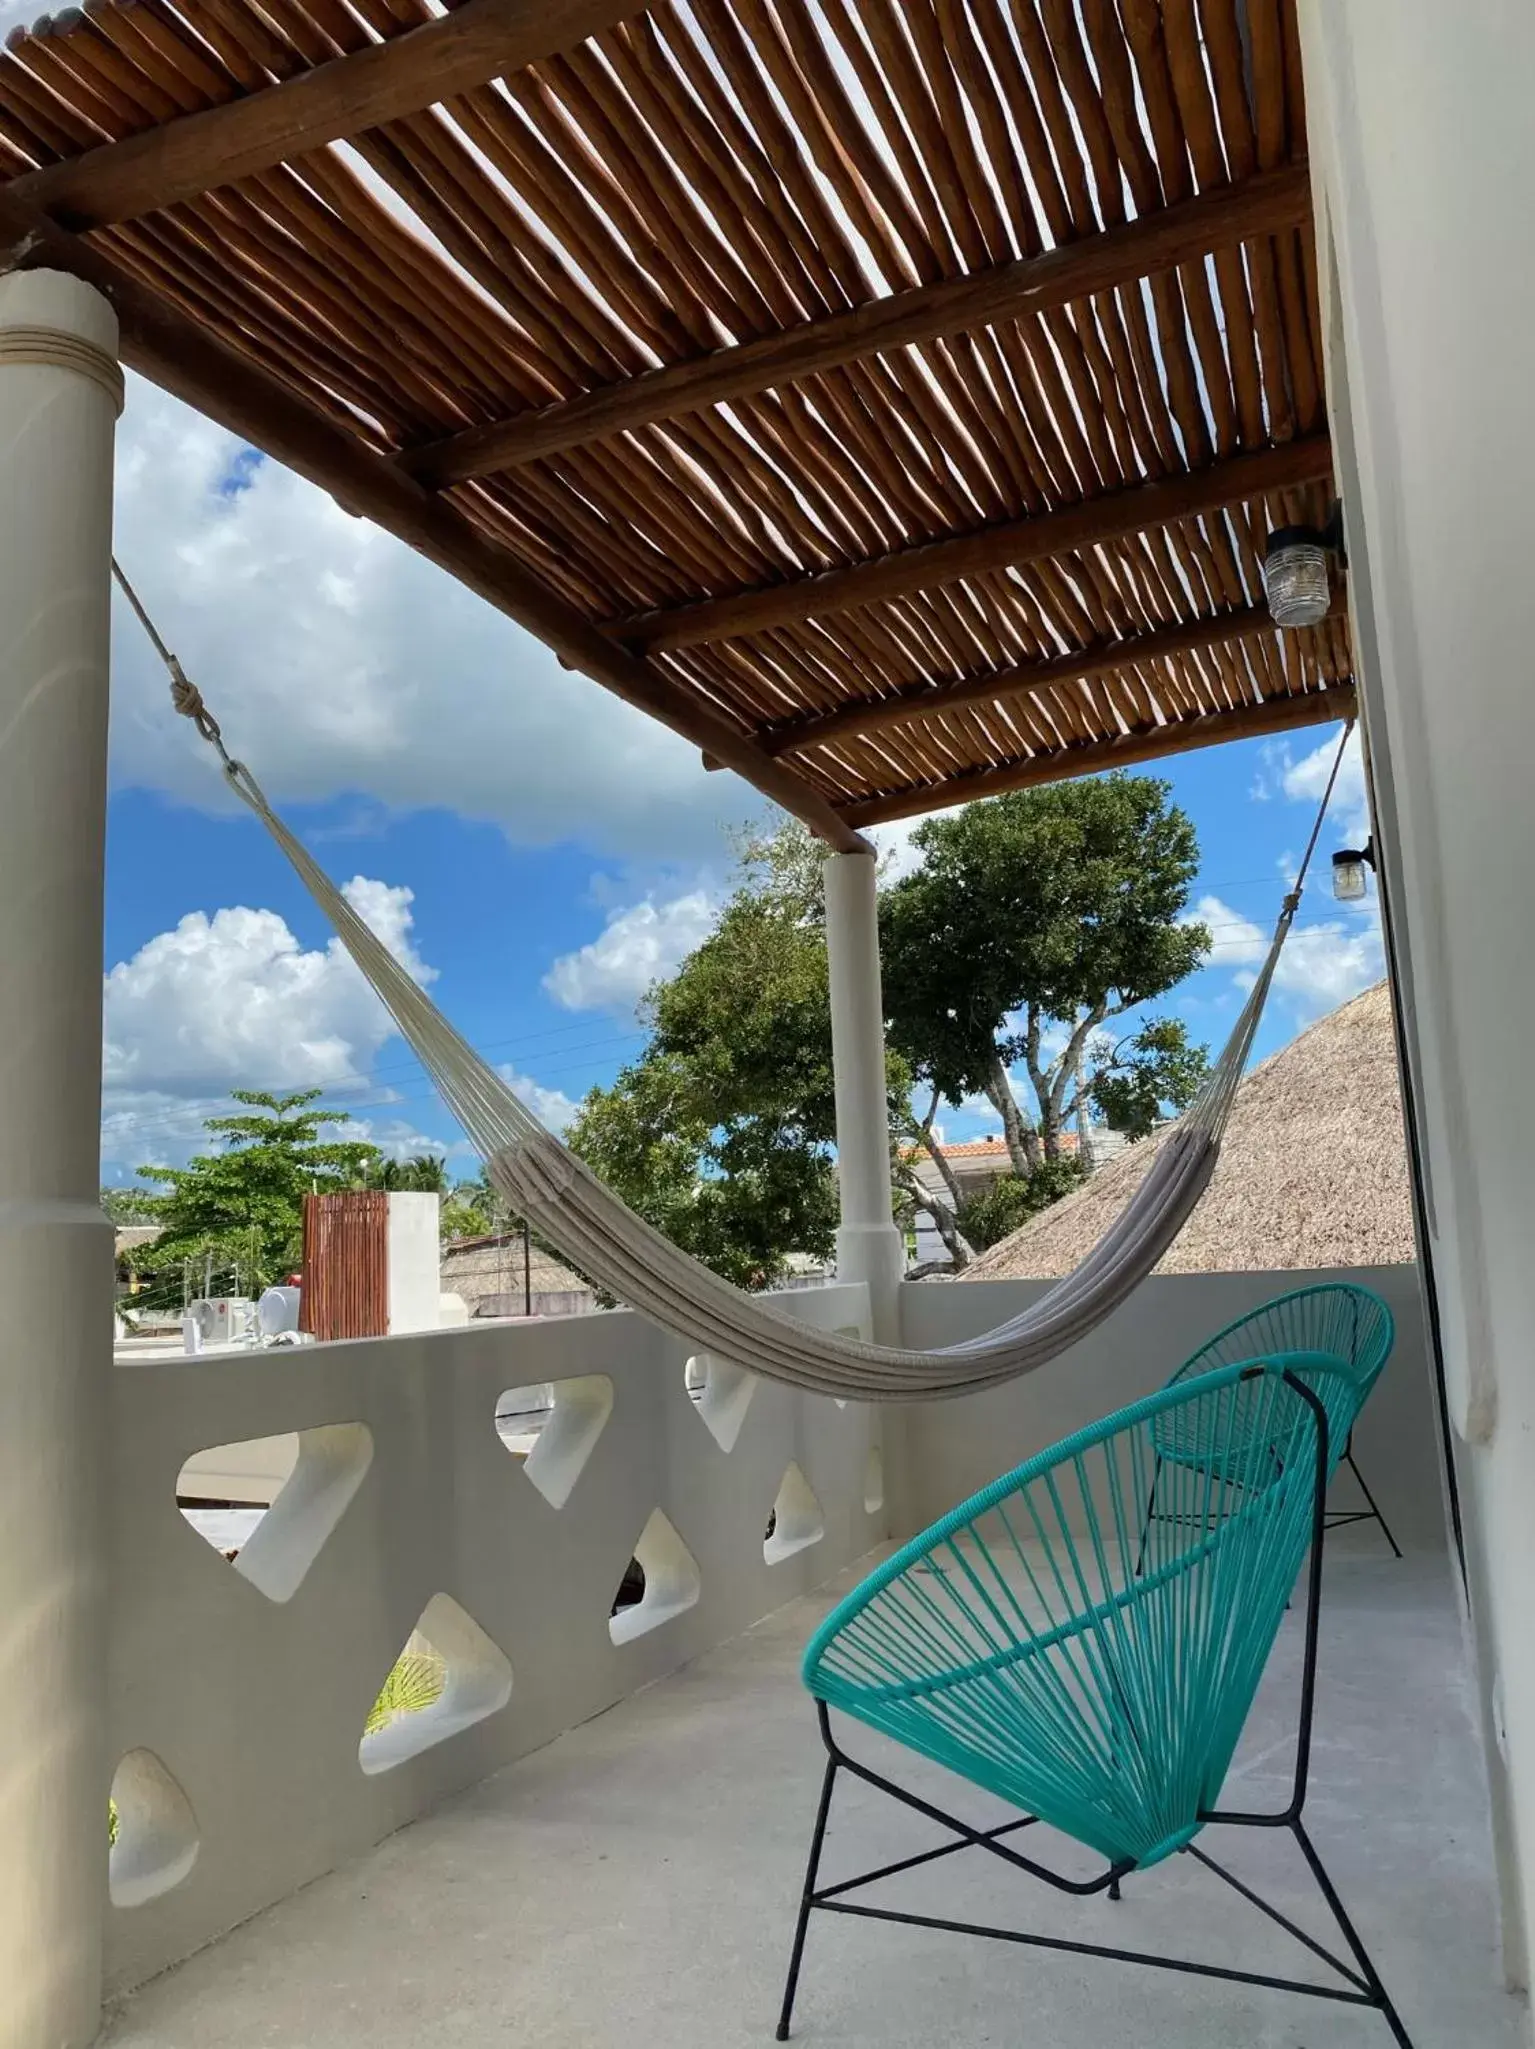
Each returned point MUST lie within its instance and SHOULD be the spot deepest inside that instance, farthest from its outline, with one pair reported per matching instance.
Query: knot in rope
(188, 700)
(185, 695)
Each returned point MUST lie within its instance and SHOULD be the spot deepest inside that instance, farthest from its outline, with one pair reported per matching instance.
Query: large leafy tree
(721, 1133)
(1032, 925)
(1034, 922)
(242, 1204)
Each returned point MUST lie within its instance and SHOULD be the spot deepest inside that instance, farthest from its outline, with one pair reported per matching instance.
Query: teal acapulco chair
(1093, 1668)
(1349, 1323)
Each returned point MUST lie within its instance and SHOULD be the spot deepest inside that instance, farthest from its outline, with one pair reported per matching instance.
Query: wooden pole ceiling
(481, 39)
(239, 396)
(1026, 286)
(1125, 750)
(853, 721)
(891, 445)
(1047, 534)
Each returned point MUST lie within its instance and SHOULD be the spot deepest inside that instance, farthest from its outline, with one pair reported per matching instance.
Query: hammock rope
(565, 1202)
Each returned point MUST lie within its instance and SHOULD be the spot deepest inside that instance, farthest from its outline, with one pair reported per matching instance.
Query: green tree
(464, 1214)
(425, 1174)
(242, 1205)
(721, 1133)
(995, 1211)
(126, 1205)
(481, 1197)
(1034, 921)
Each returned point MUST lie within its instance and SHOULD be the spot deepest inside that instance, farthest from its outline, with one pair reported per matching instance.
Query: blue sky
(539, 850)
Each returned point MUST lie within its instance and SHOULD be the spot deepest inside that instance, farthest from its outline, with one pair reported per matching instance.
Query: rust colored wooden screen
(346, 1264)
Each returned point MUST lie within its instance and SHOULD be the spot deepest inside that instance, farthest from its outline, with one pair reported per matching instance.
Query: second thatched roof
(487, 1274)
(1313, 1171)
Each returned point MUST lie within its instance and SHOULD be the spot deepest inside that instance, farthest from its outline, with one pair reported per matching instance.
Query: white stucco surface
(953, 1448)
(415, 1258)
(1424, 158)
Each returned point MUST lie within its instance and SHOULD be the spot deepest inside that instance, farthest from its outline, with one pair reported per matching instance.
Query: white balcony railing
(240, 1691)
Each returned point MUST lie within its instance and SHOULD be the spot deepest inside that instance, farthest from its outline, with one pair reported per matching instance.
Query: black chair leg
(1371, 1978)
(796, 1954)
(1364, 1489)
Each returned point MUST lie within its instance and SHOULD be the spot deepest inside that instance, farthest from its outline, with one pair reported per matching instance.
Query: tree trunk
(1021, 1137)
(1084, 1126)
(1048, 1144)
(946, 1173)
(944, 1214)
(944, 1220)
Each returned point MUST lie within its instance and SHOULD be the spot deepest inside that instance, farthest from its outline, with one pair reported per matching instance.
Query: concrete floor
(634, 1884)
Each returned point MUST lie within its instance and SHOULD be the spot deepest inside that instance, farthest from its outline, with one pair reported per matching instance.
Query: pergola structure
(891, 396)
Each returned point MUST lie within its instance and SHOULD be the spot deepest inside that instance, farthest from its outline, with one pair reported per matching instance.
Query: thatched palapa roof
(487, 1274)
(892, 399)
(1313, 1171)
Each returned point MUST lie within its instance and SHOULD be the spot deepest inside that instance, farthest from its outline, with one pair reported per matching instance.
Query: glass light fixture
(1348, 883)
(1295, 577)
(1295, 570)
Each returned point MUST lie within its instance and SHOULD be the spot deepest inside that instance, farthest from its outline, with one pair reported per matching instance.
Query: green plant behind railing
(416, 1683)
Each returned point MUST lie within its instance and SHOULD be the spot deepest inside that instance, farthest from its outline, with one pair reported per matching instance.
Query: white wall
(415, 1262)
(953, 1448)
(248, 1685)
(1424, 154)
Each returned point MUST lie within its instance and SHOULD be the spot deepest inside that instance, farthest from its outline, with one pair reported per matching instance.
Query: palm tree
(425, 1174)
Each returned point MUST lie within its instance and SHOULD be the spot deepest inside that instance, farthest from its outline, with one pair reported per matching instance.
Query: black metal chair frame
(1361, 1983)
(1340, 1518)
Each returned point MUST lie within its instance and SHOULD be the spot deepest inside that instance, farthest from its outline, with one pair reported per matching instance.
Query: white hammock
(566, 1203)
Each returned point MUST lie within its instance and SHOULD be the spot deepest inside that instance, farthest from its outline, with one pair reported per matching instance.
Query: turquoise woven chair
(1045, 1644)
(1349, 1323)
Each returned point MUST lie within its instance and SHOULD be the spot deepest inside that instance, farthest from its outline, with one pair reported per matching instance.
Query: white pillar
(869, 1247)
(60, 392)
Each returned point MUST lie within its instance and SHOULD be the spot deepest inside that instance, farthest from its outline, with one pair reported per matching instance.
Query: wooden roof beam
(229, 388)
(999, 546)
(877, 715)
(1259, 206)
(480, 40)
(1152, 743)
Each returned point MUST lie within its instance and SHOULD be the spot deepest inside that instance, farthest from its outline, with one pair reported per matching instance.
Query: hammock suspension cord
(563, 1200)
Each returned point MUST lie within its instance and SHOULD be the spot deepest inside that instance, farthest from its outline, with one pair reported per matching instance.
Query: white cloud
(399, 1139)
(339, 661)
(233, 1000)
(552, 1107)
(899, 855)
(1304, 780)
(637, 946)
(1322, 965)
